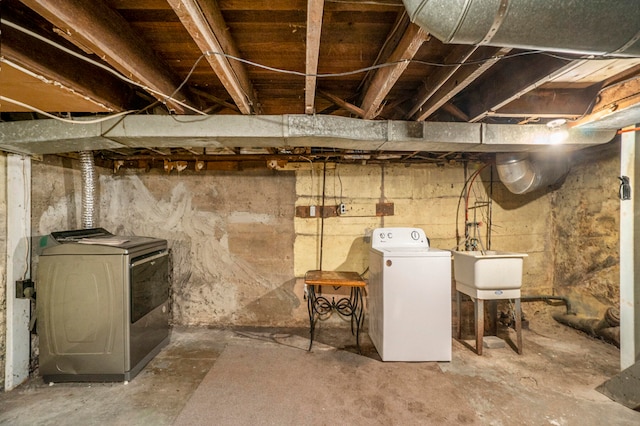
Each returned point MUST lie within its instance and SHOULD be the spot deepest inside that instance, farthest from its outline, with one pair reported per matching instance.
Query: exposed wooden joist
(386, 77)
(36, 56)
(342, 103)
(215, 99)
(315, 9)
(390, 44)
(461, 79)
(204, 22)
(435, 79)
(615, 104)
(550, 103)
(519, 76)
(107, 34)
(455, 111)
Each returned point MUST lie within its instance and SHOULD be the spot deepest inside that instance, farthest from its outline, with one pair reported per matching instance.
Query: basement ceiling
(363, 60)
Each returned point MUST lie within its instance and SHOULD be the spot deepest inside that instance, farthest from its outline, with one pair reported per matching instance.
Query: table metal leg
(311, 300)
(357, 313)
(319, 307)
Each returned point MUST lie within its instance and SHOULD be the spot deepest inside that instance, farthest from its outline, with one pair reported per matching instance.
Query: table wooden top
(334, 278)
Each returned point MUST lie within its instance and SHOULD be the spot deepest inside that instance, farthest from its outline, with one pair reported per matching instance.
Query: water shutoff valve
(25, 289)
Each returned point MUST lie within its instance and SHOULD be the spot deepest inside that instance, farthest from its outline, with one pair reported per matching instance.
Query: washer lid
(132, 245)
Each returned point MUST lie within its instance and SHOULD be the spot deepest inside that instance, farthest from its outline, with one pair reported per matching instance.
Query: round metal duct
(523, 172)
(577, 26)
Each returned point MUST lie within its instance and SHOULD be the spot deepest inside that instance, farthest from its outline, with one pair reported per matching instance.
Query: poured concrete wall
(231, 234)
(587, 231)
(3, 265)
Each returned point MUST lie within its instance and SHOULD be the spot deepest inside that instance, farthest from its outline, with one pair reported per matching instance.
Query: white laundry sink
(488, 275)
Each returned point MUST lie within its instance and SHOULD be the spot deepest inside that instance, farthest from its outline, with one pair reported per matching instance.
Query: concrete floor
(553, 382)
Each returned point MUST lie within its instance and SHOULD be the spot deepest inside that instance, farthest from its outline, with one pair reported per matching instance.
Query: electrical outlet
(312, 211)
(342, 208)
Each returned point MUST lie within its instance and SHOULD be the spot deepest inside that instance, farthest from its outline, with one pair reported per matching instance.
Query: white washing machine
(409, 296)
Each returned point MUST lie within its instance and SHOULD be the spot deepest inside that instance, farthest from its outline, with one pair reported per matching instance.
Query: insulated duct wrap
(88, 189)
(578, 26)
(522, 173)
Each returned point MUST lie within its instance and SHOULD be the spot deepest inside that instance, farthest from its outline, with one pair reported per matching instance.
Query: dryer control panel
(398, 237)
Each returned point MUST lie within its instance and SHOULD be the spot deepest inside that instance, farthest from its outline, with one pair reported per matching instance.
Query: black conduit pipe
(547, 299)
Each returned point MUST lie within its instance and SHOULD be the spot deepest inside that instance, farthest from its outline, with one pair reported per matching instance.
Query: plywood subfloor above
(49, 95)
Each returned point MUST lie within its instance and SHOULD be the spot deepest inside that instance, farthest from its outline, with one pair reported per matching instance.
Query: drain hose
(605, 328)
(88, 189)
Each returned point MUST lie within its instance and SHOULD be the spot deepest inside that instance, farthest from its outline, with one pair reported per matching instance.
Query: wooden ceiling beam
(455, 111)
(385, 78)
(517, 77)
(550, 103)
(36, 56)
(205, 23)
(95, 25)
(353, 109)
(390, 44)
(436, 79)
(460, 80)
(215, 99)
(614, 102)
(315, 11)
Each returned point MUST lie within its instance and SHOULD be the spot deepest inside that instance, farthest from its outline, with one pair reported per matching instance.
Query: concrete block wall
(425, 196)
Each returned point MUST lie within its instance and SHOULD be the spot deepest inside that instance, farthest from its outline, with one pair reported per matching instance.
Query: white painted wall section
(629, 290)
(18, 237)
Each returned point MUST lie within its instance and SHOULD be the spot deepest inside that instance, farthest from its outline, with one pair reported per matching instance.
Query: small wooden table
(320, 307)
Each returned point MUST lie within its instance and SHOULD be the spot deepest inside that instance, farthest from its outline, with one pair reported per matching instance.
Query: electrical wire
(170, 98)
(27, 231)
(98, 64)
(340, 180)
(65, 120)
(372, 2)
(634, 129)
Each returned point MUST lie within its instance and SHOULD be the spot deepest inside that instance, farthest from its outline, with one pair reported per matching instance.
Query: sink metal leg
(519, 326)
(479, 314)
(459, 313)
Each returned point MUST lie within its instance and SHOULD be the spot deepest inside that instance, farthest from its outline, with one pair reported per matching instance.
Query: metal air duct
(577, 26)
(524, 172)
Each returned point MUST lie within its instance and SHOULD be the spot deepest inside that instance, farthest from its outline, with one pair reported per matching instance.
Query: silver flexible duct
(88, 189)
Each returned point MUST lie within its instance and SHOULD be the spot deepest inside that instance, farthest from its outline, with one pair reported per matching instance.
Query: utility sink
(489, 274)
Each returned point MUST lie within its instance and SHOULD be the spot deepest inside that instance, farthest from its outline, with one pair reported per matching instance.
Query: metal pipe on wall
(87, 168)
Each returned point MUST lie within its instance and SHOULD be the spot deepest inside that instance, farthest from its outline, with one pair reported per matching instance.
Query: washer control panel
(399, 237)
